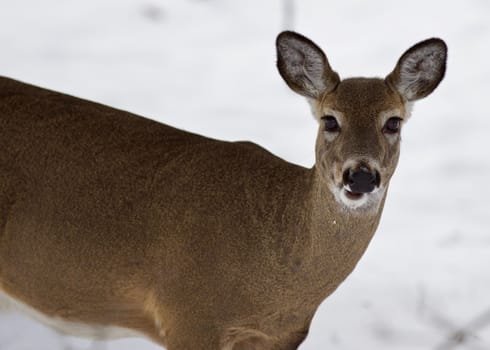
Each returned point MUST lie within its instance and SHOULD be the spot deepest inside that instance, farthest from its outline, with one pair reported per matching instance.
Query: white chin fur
(368, 201)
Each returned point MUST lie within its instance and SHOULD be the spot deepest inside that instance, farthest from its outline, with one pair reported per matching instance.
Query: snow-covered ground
(209, 66)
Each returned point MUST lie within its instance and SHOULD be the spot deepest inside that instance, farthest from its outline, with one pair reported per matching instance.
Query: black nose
(361, 180)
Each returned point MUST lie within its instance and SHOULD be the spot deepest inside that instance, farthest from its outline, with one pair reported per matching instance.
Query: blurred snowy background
(209, 66)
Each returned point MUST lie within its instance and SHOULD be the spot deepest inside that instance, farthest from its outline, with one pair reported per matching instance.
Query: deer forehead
(362, 101)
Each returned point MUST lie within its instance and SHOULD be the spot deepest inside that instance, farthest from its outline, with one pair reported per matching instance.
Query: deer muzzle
(362, 179)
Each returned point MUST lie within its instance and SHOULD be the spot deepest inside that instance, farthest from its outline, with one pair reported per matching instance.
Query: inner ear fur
(420, 69)
(303, 65)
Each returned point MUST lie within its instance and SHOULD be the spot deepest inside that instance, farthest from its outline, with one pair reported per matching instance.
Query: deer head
(360, 119)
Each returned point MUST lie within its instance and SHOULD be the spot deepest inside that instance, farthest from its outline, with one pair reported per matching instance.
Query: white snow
(209, 66)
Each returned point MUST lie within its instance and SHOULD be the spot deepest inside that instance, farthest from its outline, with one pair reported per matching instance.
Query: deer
(114, 224)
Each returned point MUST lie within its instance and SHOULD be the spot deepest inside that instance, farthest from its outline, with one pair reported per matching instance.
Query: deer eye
(392, 125)
(331, 124)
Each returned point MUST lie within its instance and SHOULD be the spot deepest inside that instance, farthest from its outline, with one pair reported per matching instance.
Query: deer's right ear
(304, 66)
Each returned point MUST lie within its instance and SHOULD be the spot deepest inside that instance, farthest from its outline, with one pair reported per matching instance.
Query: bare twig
(288, 14)
(467, 333)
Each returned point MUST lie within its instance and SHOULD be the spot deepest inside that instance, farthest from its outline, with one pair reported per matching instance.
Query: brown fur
(108, 218)
(362, 102)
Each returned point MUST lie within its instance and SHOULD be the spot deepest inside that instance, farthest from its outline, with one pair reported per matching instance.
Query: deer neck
(327, 241)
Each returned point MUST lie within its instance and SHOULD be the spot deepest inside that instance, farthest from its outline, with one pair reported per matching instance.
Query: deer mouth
(353, 195)
(356, 200)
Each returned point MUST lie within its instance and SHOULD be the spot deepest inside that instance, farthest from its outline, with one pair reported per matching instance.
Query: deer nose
(361, 180)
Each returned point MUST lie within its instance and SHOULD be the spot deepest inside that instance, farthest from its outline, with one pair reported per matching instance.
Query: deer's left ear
(420, 69)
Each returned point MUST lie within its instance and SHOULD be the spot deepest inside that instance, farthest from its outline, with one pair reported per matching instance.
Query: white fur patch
(368, 201)
(330, 136)
(408, 109)
(69, 328)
